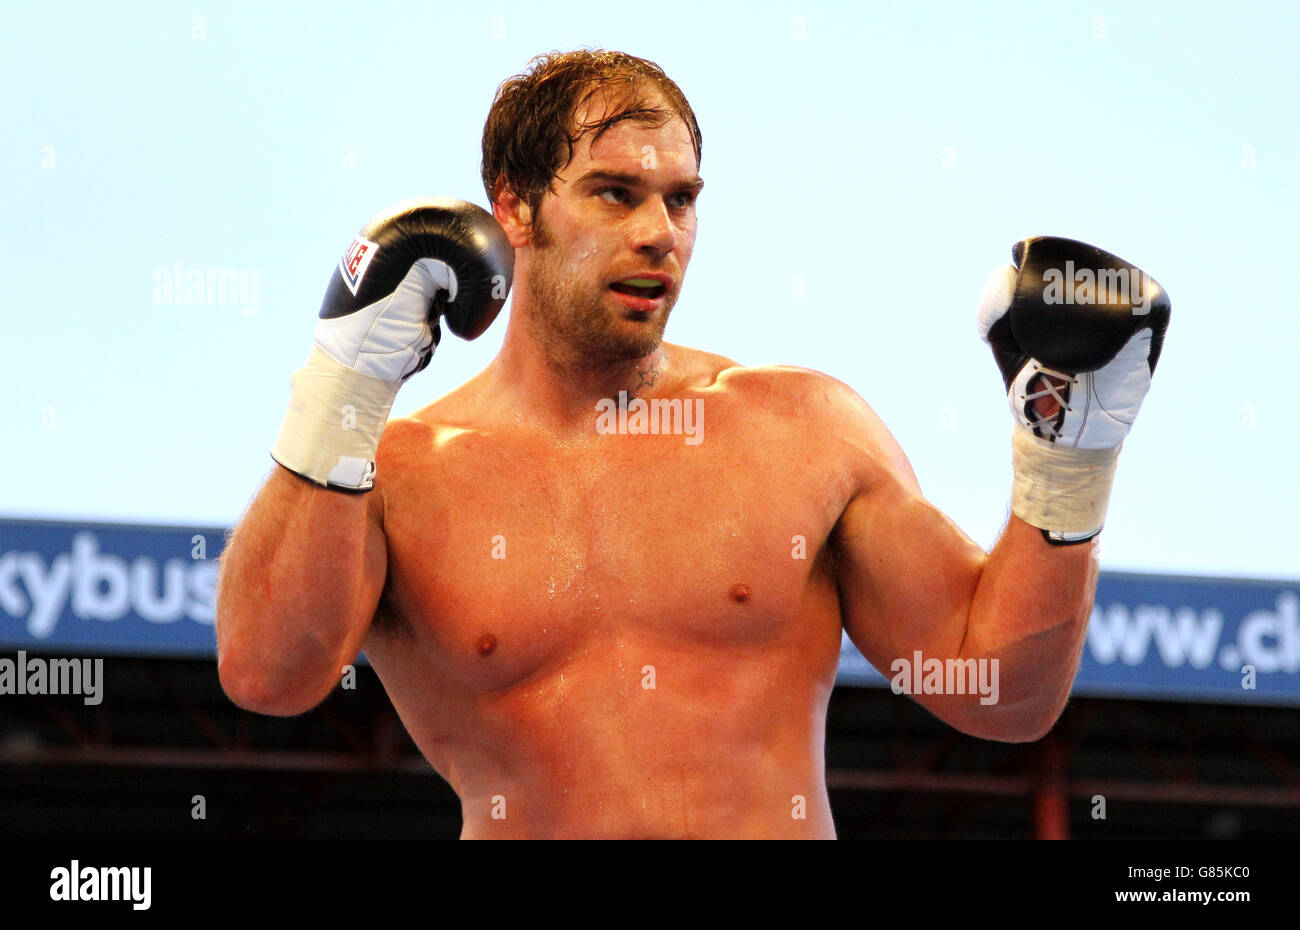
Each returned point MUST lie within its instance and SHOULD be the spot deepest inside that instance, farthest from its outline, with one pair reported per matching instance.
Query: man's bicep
(906, 573)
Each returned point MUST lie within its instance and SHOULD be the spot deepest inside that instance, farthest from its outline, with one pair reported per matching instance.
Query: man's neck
(559, 387)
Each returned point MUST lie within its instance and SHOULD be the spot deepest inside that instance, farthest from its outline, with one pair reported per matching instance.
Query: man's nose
(651, 227)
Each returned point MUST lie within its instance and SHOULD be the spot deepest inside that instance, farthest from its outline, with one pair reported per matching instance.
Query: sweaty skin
(594, 634)
(651, 650)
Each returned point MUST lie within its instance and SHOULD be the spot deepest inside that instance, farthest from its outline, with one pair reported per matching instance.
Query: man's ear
(513, 214)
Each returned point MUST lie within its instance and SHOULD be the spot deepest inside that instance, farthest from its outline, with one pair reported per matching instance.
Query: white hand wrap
(331, 430)
(1059, 488)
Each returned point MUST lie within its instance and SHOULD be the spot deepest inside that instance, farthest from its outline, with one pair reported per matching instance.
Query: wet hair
(530, 131)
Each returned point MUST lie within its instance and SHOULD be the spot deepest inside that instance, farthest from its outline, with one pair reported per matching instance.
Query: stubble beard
(572, 326)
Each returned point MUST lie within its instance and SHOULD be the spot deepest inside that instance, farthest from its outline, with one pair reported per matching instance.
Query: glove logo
(355, 261)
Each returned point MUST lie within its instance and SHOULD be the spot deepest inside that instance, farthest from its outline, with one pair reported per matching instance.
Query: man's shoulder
(704, 370)
(792, 389)
(818, 404)
(455, 412)
(790, 381)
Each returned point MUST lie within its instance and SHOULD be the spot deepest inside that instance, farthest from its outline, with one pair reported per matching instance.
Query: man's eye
(684, 199)
(620, 194)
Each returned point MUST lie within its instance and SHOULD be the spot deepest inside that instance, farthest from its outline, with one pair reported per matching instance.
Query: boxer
(613, 632)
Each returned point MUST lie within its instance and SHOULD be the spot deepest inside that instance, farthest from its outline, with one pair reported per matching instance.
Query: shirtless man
(595, 633)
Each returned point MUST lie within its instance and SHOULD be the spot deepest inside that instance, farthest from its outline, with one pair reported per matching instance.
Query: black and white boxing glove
(413, 263)
(1073, 323)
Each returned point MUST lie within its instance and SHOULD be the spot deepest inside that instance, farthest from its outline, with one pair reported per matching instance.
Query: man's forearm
(292, 595)
(1030, 612)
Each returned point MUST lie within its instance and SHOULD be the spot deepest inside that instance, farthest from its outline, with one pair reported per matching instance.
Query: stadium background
(866, 168)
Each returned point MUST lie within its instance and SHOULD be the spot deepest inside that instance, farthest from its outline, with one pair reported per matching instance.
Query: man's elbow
(1007, 725)
(1026, 732)
(251, 688)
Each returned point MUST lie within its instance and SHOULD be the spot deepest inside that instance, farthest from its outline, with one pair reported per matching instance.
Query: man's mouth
(646, 288)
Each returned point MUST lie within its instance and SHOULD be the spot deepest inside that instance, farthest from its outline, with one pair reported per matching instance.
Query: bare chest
(508, 559)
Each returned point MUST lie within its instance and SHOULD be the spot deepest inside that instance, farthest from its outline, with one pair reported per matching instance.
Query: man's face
(623, 208)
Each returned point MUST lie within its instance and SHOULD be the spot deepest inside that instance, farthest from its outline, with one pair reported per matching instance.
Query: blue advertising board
(141, 590)
(108, 588)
